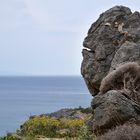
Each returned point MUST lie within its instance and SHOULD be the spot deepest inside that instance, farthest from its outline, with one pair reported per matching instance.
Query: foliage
(85, 110)
(85, 134)
(73, 126)
(9, 137)
(123, 132)
(45, 126)
(2, 138)
(51, 127)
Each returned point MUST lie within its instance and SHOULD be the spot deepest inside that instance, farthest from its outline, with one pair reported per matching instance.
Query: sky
(44, 37)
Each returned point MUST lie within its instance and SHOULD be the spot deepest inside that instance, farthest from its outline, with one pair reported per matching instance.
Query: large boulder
(112, 40)
(112, 109)
(111, 68)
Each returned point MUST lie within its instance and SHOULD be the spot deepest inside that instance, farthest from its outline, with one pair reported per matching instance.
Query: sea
(22, 97)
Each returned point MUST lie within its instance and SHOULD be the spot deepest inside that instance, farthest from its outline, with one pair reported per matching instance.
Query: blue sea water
(21, 97)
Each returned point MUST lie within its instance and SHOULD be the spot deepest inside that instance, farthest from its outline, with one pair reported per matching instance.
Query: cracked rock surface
(111, 68)
(105, 47)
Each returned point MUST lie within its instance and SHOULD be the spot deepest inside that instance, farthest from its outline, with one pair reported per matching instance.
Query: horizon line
(40, 75)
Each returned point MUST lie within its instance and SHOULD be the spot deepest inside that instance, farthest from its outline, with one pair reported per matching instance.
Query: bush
(10, 137)
(51, 127)
(124, 132)
(45, 126)
(85, 134)
(73, 126)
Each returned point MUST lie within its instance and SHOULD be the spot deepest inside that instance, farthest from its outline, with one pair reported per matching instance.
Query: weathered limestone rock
(106, 46)
(128, 52)
(112, 109)
(111, 68)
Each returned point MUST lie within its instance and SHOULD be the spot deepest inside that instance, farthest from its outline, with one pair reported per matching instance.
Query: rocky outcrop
(111, 68)
(125, 78)
(107, 45)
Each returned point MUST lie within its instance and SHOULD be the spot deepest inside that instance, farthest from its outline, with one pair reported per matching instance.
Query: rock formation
(111, 67)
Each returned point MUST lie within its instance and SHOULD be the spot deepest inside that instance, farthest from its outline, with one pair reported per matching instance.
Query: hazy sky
(44, 37)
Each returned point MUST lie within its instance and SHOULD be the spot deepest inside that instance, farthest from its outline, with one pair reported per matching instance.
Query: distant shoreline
(40, 76)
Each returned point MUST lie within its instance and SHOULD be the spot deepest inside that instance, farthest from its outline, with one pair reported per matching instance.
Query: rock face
(111, 68)
(106, 46)
(112, 109)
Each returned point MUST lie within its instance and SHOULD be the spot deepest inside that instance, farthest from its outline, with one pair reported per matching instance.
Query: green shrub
(73, 126)
(9, 137)
(85, 134)
(45, 126)
(51, 127)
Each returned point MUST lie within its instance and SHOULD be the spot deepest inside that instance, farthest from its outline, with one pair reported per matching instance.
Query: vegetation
(123, 132)
(51, 127)
(40, 126)
(84, 110)
(44, 126)
(10, 137)
(74, 129)
(86, 134)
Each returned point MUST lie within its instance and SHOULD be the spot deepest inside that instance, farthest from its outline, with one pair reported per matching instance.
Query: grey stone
(112, 109)
(111, 49)
(105, 47)
(128, 52)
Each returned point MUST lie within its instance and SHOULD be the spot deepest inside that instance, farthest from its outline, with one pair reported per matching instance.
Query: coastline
(25, 97)
(75, 116)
